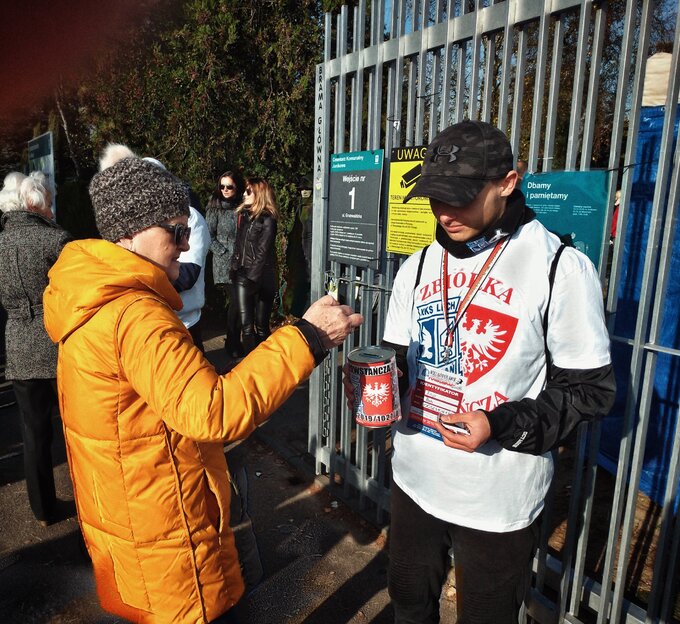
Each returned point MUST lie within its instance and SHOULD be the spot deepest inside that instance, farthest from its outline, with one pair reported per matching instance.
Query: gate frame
(358, 458)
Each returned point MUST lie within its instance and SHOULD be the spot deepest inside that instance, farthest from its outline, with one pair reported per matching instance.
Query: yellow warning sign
(409, 226)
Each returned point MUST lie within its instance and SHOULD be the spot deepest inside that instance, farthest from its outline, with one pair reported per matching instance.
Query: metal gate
(394, 74)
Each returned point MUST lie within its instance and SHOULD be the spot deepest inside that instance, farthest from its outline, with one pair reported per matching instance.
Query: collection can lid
(370, 355)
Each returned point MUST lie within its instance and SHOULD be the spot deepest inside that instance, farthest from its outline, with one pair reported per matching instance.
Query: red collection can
(373, 373)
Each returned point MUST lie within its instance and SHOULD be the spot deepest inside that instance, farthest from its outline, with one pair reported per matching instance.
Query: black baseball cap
(460, 161)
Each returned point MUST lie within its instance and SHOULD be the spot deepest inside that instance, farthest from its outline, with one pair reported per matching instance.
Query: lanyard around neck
(472, 291)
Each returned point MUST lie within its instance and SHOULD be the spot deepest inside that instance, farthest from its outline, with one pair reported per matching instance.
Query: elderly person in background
(30, 243)
(146, 415)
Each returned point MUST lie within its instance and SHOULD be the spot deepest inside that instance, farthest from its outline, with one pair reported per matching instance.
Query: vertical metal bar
(588, 496)
(411, 101)
(366, 308)
(375, 98)
(448, 66)
(476, 43)
(489, 86)
(573, 138)
(317, 409)
(341, 85)
(553, 96)
(330, 365)
(593, 86)
(668, 604)
(666, 551)
(438, 96)
(346, 423)
(356, 114)
(399, 79)
(520, 69)
(575, 498)
(377, 7)
(628, 46)
(508, 42)
(422, 91)
(537, 112)
(360, 26)
(461, 49)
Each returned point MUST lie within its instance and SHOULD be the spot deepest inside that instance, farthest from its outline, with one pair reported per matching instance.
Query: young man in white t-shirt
(467, 318)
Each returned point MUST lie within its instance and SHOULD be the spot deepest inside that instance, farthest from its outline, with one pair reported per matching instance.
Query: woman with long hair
(221, 219)
(253, 263)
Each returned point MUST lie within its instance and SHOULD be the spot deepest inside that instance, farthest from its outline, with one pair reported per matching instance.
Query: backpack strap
(551, 281)
(421, 261)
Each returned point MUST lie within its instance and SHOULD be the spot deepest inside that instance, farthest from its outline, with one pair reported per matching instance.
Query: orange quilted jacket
(145, 416)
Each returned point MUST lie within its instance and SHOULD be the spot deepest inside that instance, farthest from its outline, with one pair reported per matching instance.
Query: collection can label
(373, 373)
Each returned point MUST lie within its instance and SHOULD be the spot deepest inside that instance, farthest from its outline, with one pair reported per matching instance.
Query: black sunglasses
(227, 187)
(179, 231)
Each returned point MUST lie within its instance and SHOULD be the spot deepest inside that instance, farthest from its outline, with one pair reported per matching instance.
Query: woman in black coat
(30, 242)
(253, 263)
(221, 219)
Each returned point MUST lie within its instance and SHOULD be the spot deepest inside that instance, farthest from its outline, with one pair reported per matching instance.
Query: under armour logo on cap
(443, 150)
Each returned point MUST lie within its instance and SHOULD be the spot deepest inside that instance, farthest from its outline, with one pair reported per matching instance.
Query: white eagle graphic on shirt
(483, 343)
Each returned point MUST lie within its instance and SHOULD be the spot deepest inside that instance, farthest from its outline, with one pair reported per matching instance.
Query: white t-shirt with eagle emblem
(497, 355)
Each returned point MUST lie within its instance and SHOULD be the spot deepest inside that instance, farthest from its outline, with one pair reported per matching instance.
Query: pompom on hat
(130, 194)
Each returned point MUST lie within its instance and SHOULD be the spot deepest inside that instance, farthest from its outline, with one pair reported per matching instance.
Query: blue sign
(571, 203)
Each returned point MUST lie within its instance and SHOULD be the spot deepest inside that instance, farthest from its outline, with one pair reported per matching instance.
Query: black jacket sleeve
(313, 340)
(188, 274)
(571, 396)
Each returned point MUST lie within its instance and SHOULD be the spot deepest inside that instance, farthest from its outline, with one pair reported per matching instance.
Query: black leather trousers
(255, 301)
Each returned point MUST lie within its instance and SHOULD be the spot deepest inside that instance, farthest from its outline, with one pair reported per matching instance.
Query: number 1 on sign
(352, 193)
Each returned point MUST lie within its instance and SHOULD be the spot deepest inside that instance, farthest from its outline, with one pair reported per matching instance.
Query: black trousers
(492, 570)
(37, 399)
(255, 301)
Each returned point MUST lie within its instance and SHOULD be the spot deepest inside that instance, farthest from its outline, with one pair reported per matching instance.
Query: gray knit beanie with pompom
(132, 194)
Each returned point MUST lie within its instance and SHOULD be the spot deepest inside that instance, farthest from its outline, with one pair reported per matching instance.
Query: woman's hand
(332, 321)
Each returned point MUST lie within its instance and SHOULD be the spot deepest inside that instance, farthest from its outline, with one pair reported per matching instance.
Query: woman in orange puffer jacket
(145, 414)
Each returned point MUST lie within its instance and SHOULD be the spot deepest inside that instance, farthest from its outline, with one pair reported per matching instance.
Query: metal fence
(394, 74)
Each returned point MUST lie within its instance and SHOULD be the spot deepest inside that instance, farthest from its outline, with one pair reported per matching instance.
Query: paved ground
(322, 562)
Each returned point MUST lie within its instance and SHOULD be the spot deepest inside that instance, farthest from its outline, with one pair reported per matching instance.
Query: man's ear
(509, 183)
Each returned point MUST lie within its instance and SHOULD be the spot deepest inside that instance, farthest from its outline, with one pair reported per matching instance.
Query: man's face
(464, 223)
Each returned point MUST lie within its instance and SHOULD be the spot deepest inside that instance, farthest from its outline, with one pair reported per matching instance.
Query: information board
(354, 207)
(41, 158)
(409, 226)
(571, 202)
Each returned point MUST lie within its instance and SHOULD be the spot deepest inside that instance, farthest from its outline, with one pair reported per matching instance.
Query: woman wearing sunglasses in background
(221, 219)
(253, 264)
(146, 416)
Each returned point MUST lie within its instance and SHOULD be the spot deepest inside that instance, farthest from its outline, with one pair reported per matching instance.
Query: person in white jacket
(191, 281)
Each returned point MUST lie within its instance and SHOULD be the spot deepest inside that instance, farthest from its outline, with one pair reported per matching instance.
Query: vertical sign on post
(41, 158)
(409, 226)
(571, 202)
(354, 207)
